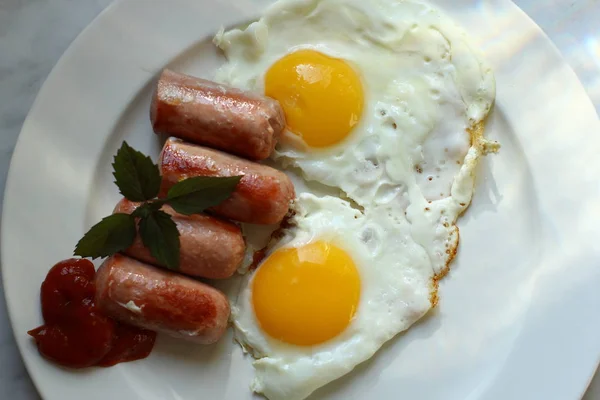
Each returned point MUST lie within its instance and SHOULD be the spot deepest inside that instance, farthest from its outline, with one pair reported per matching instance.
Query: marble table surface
(35, 33)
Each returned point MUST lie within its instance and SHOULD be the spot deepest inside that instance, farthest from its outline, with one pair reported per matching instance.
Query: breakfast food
(148, 297)
(75, 333)
(91, 319)
(215, 115)
(209, 247)
(262, 196)
(385, 105)
(385, 101)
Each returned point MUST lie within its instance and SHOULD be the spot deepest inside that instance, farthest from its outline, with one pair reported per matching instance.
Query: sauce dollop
(75, 333)
(129, 344)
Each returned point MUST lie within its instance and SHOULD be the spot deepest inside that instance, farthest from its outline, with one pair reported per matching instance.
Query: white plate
(518, 314)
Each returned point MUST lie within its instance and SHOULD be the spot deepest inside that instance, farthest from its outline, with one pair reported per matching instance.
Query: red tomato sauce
(75, 333)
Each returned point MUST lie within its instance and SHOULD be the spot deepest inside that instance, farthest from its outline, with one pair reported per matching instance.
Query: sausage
(209, 247)
(148, 297)
(215, 115)
(262, 196)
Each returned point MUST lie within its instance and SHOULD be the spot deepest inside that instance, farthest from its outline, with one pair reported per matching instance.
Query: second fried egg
(335, 288)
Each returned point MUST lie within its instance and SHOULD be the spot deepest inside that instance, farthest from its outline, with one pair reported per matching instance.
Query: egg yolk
(306, 295)
(321, 96)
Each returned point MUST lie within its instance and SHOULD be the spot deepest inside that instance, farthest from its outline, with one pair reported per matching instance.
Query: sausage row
(215, 115)
(160, 300)
(209, 247)
(129, 287)
(262, 196)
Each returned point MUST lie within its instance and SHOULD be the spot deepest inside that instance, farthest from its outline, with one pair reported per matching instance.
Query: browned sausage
(209, 247)
(262, 197)
(215, 115)
(148, 297)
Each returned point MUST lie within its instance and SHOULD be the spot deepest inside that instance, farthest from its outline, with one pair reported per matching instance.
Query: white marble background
(35, 33)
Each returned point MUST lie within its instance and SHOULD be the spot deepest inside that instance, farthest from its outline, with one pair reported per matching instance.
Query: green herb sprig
(138, 179)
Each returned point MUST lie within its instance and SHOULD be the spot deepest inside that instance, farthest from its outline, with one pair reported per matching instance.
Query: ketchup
(130, 344)
(75, 333)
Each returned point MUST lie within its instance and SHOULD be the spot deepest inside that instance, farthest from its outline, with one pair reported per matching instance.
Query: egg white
(404, 174)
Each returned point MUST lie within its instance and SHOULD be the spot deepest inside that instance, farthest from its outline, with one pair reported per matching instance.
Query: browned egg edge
(477, 141)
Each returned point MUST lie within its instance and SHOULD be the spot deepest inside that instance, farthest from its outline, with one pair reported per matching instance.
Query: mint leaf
(113, 234)
(194, 195)
(160, 235)
(144, 210)
(137, 177)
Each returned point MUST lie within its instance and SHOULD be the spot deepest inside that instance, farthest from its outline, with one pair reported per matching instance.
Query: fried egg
(385, 103)
(337, 286)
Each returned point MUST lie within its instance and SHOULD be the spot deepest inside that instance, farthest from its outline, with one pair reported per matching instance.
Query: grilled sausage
(262, 196)
(209, 247)
(215, 115)
(148, 297)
